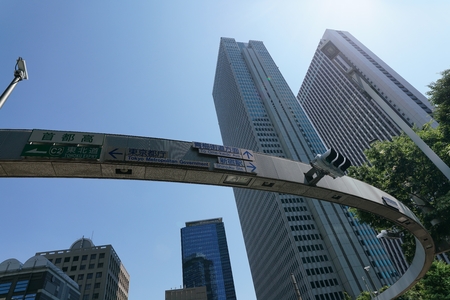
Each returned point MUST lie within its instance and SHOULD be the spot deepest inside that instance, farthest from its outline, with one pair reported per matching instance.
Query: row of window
(313, 259)
(321, 270)
(305, 248)
(90, 276)
(21, 286)
(298, 208)
(307, 237)
(82, 267)
(76, 258)
(324, 283)
(300, 218)
(292, 200)
(302, 227)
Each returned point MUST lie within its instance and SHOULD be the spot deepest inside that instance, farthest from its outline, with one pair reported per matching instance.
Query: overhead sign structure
(226, 151)
(62, 151)
(229, 158)
(149, 156)
(66, 137)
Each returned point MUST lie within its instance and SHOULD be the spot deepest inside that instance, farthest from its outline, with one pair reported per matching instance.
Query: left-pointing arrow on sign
(113, 153)
(35, 151)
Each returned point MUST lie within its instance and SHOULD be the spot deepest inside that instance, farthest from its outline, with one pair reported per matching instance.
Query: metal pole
(8, 90)
(297, 290)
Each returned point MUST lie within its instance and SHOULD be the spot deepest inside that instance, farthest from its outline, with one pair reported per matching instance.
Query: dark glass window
(76, 258)
(101, 255)
(58, 260)
(89, 275)
(73, 268)
(21, 286)
(82, 267)
(84, 257)
(91, 266)
(93, 256)
(4, 287)
(66, 259)
(98, 275)
(80, 276)
(64, 269)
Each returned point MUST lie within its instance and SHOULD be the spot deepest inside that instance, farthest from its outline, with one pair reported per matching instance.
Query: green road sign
(62, 151)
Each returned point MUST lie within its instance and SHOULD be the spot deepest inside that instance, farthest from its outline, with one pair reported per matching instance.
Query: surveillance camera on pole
(20, 73)
(389, 235)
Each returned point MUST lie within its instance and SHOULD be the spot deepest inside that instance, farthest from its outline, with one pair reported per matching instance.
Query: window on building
(93, 256)
(76, 258)
(80, 276)
(101, 255)
(73, 268)
(100, 265)
(97, 285)
(64, 269)
(21, 286)
(89, 275)
(91, 266)
(66, 259)
(82, 267)
(87, 286)
(58, 260)
(4, 287)
(98, 275)
(84, 257)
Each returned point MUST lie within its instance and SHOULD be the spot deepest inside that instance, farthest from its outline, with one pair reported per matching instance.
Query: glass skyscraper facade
(285, 234)
(206, 261)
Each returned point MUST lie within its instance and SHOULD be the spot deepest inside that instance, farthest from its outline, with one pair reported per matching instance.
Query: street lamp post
(20, 73)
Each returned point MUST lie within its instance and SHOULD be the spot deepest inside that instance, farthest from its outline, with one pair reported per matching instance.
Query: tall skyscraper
(346, 117)
(337, 96)
(37, 278)
(97, 269)
(206, 261)
(286, 234)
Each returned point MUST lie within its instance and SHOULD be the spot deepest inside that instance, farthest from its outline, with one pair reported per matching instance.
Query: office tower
(196, 293)
(286, 234)
(205, 257)
(97, 269)
(333, 95)
(343, 111)
(37, 278)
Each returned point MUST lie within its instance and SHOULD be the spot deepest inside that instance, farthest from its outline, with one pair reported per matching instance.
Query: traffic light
(332, 163)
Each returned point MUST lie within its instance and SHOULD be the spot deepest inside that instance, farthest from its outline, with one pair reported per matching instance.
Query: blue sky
(146, 68)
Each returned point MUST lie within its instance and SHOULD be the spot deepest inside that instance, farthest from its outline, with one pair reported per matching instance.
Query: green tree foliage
(401, 169)
(435, 285)
(439, 95)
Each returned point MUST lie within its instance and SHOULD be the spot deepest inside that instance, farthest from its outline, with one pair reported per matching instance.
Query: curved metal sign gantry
(50, 153)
